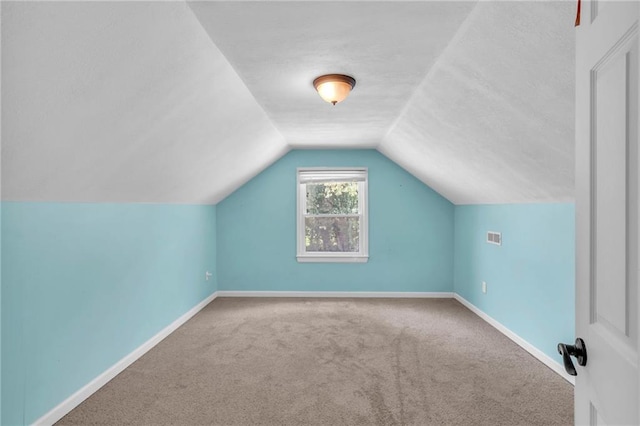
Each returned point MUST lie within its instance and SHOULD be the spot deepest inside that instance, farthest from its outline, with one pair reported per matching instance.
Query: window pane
(332, 234)
(332, 198)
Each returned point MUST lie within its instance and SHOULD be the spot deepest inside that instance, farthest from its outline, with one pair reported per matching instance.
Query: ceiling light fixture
(334, 88)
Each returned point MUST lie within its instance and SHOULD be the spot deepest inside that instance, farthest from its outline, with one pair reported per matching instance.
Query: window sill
(332, 259)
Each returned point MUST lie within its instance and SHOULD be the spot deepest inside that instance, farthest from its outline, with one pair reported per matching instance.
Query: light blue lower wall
(530, 278)
(410, 232)
(0, 313)
(83, 285)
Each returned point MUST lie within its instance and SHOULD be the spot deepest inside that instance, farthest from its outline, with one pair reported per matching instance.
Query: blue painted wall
(0, 313)
(83, 285)
(530, 278)
(410, 232)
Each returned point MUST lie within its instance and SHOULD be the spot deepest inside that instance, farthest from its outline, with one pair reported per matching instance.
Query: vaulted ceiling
(174, 102)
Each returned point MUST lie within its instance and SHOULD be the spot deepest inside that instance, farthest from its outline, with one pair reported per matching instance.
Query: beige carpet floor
(333, 362)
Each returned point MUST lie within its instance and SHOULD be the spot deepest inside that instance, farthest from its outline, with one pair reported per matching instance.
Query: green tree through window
(332, 215)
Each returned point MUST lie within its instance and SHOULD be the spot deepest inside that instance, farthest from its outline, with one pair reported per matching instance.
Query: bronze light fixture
(334, 88)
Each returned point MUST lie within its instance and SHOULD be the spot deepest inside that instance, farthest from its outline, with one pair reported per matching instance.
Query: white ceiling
(173, 103)
(493, 120)
(279, 48)
(123, 102)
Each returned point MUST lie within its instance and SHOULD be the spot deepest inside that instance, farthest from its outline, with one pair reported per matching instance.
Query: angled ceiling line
(462, 30)
(508, 84)
(99, 78)
(279, 48)
(195, 17)
(234, 185)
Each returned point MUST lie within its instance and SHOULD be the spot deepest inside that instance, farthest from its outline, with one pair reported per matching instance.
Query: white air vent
(494, 238)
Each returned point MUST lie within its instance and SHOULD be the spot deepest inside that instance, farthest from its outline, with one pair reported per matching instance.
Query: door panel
(611, 287)
(607, 213)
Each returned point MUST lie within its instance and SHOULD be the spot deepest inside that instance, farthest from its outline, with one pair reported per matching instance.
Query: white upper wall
(493, 121)
(123, 102)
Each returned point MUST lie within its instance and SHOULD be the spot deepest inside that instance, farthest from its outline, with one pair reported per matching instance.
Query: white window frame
(361, 256)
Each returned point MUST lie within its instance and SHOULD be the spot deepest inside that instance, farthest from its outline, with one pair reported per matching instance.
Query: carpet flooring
(332, 362)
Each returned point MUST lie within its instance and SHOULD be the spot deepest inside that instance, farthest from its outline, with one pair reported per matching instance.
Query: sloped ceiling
(170, 102)
(493, 120)
(123, 102)
(279, 48)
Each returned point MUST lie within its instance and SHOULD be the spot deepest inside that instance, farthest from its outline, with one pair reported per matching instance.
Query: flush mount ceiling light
(334, 88)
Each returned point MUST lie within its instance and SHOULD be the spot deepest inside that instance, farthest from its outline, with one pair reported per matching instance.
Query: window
(332, 215)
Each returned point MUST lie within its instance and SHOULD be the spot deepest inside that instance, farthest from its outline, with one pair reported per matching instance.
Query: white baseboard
(344, 294)
(74, 400)
(537, 353)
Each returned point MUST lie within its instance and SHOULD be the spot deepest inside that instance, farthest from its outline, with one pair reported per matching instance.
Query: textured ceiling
(493, 120)
(279, 48)
(123, 102)
(174, 103)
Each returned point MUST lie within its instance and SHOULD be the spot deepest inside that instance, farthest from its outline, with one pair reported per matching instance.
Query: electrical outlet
(207, 275)
(484, 287)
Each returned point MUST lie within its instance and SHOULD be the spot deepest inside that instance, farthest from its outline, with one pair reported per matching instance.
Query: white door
(607, 213)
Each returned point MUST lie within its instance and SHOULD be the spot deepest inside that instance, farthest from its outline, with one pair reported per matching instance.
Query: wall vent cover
(494, 238)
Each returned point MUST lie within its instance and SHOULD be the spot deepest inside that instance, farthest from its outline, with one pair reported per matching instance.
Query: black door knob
(579, 351)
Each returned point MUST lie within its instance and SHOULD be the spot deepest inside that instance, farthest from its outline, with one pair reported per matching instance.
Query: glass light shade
(334, 91)
(334, 88)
